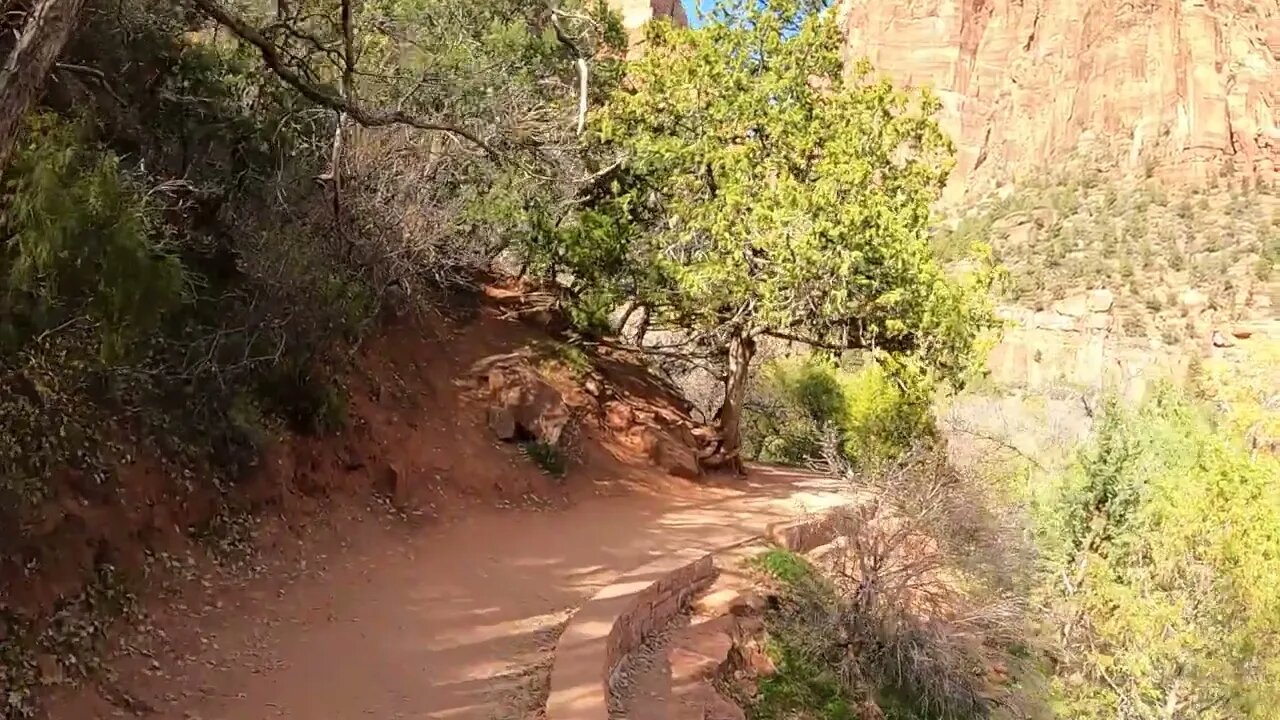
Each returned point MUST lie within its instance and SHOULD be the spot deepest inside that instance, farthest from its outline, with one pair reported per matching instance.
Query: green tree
(1163, 551)
(772, 195)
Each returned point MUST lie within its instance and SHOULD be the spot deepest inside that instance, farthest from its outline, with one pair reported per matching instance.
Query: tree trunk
(47, 27)
(642, 328)
(742, 348)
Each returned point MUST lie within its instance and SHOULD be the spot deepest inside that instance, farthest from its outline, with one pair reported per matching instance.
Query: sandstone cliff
(1183, 89)
(635, 13)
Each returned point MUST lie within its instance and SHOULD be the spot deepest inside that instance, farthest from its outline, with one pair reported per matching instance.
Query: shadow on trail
(458, 621)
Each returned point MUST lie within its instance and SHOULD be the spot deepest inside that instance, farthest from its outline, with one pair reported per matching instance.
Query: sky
(696, 10)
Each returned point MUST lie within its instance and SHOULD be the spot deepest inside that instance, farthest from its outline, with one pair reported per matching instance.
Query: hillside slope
(1120, 158)
(443, 416)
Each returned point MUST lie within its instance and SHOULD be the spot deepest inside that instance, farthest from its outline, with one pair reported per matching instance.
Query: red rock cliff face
(635, 13)
(1183, 88)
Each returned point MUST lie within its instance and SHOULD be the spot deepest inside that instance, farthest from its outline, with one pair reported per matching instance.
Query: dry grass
(919, 602)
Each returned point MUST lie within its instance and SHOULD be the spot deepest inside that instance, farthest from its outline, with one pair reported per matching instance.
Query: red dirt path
(452, 621)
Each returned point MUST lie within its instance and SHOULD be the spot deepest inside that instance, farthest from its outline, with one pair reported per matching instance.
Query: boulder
(729, 601)
(619, 416)
(1022, 235)
(756, 661)
(503, 423)
(1098, 321)
(1192, 299)
(526, 406)
(1100, 301)
(1074, 306)
(676, 458)
(397, 488)
(698, 656)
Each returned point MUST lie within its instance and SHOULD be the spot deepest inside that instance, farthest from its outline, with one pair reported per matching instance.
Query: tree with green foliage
(799, 403)
(765, 193)
(456, 127)
(1163, 553)
(79, 244)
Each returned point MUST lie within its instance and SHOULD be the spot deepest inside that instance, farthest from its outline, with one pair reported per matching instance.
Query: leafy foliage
(548, 457)
(796, 401)
(786, 567)
(1163, 548)
(169, 257)
(762, 191)
(912, 611)
(799, 687)
(81, 242)
(774, 193)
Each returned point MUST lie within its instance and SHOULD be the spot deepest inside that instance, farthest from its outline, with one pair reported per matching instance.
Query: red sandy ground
(446, 610)
(452, 621)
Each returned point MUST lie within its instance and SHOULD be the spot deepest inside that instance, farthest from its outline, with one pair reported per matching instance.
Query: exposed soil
(413, 565)
(416, 435)
(451, 621)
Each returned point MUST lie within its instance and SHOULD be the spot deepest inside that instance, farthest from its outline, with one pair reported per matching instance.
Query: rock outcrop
(1055, 348)
(1185, 89)
(635, 13)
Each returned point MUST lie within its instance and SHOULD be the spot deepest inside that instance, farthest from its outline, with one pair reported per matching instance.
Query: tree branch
(580, 60)
(582, 95)
(899, 345)
(368, 118)
(97, 75)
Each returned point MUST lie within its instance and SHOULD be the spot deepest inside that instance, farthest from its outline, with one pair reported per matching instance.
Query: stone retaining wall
(619, 618)
(801, 536)
(615, 622)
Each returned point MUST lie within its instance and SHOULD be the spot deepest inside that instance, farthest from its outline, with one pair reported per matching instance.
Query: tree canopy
(764, 191)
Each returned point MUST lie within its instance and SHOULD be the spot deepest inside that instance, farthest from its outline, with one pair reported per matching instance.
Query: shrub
(549, 458)
(81, 239)
(1163, 552)
(800, 687)
(785, 566)
(877, 412)
(917, 604)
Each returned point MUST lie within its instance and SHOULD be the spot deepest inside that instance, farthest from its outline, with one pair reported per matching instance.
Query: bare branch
(97, 75)
(368, 118)
(580, 59)
(582, 95)
(902, 344)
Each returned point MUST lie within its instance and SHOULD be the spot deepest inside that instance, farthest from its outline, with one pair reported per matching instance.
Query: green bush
(80, 240)
(874, 413)
(911, 610)
(1162, 551)
(549, 458)
(785, 566)
(306, 398)
(800, 687)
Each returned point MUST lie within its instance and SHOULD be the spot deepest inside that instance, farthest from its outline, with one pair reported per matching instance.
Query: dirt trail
(450, 622)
